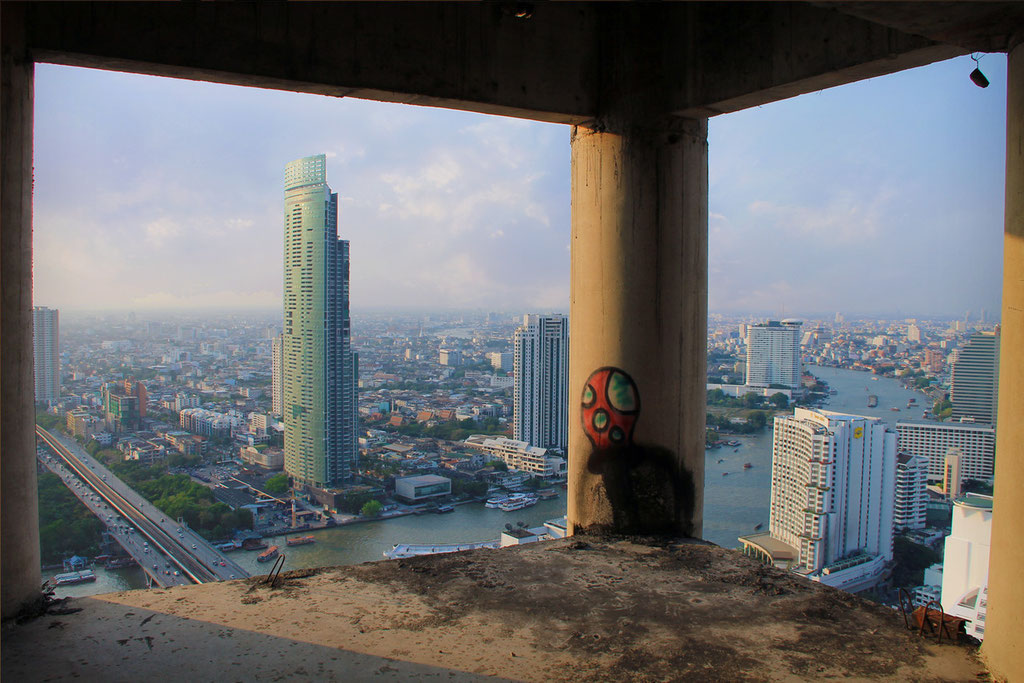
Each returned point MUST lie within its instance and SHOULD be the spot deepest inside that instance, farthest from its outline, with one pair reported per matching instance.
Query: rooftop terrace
(603, 609)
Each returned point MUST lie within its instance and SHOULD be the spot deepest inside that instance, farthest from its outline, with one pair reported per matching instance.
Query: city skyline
(901, 191)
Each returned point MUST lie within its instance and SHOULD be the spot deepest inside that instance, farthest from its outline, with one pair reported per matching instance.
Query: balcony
(607, 609)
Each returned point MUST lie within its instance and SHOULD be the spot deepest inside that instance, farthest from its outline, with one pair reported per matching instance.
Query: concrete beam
(19, 517)
(477, 56)
(742, 55)
(694, 59)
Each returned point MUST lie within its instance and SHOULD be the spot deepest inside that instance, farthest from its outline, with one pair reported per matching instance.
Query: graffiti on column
(611, 404)
(645, 486)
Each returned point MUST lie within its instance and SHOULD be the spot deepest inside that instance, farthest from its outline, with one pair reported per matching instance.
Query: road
(183, 549)
(156, 566)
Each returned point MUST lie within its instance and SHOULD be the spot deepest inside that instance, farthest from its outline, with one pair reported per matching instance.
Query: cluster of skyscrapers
(842, 484)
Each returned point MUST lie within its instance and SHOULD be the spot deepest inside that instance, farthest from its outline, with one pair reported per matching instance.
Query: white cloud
(161, 231)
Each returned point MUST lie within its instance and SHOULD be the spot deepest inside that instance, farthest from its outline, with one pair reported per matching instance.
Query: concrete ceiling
(564, 62)
(974, 26)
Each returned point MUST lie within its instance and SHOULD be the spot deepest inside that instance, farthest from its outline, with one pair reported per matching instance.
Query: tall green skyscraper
(318, 364)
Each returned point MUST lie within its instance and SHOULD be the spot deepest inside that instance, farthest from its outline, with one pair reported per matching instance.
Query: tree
(975, 486)
(277, 484)
(751, 400)
(371, 508)
(498, 465)
(779, 400)
(942, 409)
(911, 560)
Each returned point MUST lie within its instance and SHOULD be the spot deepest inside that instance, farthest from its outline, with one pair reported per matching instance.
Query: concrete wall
(1005, 622)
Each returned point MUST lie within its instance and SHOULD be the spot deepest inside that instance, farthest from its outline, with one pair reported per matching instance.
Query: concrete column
(1005, 621)
(19, 520)
(638, 328)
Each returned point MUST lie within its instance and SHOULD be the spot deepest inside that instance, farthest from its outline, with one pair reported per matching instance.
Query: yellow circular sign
(858, 432)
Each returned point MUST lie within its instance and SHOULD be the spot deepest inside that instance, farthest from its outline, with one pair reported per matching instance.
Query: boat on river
(518, 501)
(872, 401)
(300, 540)
(402, 550)
(268, 554)
(71, 578)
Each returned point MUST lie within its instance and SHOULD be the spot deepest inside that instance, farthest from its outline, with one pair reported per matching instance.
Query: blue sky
(884, 196)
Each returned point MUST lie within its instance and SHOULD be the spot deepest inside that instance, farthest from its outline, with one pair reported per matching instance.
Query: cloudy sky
(878, 197)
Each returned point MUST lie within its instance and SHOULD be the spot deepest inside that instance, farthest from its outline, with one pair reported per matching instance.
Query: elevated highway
(188, 552)
(156, 567)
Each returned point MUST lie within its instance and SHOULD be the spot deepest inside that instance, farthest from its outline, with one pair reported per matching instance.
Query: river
(734, 503)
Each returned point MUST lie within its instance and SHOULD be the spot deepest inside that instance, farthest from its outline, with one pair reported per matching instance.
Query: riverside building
(975, 381)
(318, 366)
(541, 387)
(832, 499)
(519, 455)
(773, 354)
(932, 440)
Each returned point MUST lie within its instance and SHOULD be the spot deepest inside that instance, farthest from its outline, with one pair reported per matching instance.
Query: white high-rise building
(46, 349)
(932, 440)
(773, 354)
(541, 388)
(276, 376)
(974, 388)
(965, 562)
(832, 499)
(911, 491)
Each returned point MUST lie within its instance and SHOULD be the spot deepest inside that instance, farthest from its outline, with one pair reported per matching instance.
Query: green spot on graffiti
(600, 420)
(620, 393)
(588, 395)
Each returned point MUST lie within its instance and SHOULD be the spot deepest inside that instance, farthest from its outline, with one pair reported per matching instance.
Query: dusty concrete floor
(601, 609)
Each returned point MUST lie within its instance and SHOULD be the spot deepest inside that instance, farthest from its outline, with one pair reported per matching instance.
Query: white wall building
(450, 357)
(965, 562)
(773, 354)
(519, 455)
(46, 350)
(541, 388)
(911, 504)
(502, 360)
(977, 444)
(182, 401)
(832, 499)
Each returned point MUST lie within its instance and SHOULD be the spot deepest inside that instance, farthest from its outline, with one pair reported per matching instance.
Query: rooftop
(605, 609)
(975, 500)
